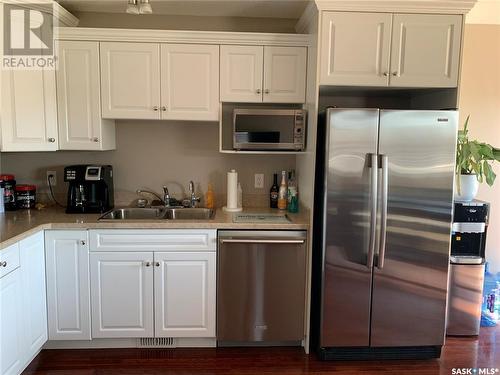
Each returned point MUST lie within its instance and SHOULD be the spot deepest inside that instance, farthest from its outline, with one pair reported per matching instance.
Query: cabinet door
(285, 74)
(189, 82)
(32, 256)
(355, 48)
(78, 99)
(130, 80)
(29, 114)
(122, 294)
(241, 70)
(11, 324)
(185, 294)
(425, 50)
(68, 284)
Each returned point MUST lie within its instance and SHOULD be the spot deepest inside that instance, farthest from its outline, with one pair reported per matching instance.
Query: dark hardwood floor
(458, 353)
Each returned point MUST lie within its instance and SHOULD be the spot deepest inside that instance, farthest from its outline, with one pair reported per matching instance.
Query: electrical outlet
(53, 180)
(259, 180)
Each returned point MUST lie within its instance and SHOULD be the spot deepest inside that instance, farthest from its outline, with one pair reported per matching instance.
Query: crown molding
(402, 6)
(306, 18)
(181, 36)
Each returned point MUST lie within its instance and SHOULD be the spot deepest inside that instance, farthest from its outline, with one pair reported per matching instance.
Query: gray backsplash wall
(151, 154)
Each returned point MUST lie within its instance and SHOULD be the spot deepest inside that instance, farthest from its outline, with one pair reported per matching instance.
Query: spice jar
(26, 196)
(8, 183)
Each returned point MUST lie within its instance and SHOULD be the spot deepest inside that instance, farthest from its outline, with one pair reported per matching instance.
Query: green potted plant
(473, 165)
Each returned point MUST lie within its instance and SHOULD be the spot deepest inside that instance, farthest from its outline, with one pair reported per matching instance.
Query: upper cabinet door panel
(130, 80)
(426, 50)
(189, 82)
(78, 95)
(355, 49)
(241, 73)
(29, 113)
(285, 74)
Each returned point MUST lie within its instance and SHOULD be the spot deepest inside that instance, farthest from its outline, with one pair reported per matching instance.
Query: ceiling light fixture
(132, 7)
(145, 7)
(139, 7)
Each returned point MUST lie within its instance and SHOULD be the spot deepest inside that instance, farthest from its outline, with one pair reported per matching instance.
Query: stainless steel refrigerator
(383, 213)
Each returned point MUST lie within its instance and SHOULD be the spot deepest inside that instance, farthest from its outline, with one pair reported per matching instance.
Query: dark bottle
(274, 192)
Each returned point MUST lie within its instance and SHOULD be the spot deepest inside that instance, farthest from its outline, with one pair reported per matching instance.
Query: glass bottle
(273, 194)
(282, 192)
(293, 193)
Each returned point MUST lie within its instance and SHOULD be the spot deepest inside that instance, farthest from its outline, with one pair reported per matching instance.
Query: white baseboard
(126, 343)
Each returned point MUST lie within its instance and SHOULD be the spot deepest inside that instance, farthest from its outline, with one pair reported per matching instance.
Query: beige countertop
(17, 225)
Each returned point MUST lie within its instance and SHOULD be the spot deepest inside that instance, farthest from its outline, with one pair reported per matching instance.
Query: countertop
(16, 225)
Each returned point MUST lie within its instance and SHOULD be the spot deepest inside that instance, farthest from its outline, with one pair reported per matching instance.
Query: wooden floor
(464, 352)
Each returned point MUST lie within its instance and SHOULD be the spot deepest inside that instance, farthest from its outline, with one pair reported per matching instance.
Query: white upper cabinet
(184, 294)
(285, 74)
(130, 80)
(78, 99)
(68, 284)
(384, 49)
(121, 294)
(29, 112)
(425, 50)
(189, 82)
(241, 69)
(257, 74)
(355, 49)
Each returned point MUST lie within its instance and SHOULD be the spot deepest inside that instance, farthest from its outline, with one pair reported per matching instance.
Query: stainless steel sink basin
(134, 214)
(158, 213)
(189, 214)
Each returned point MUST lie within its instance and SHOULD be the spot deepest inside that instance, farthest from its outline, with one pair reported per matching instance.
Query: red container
(25, 196)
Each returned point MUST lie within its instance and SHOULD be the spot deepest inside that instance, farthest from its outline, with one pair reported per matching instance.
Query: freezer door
(417, 151)
(351, 139)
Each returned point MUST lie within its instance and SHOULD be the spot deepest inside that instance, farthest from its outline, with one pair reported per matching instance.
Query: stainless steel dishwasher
(261, 287)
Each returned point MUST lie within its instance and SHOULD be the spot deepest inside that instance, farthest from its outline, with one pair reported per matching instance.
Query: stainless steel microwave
(269, 129)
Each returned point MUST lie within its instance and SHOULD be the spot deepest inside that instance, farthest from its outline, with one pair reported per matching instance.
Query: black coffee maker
(90, 188)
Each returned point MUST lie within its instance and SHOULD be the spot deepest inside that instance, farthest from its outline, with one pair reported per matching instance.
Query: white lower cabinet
(68, 284)
(32, 255)
(139, 291)
(184, 284)
(11, 322)
(122, 294)
(23, 314)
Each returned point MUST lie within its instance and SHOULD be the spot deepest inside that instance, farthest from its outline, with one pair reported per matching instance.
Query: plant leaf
(489, 174)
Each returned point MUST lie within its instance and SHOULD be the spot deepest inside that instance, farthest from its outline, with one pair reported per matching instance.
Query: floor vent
(156, 342)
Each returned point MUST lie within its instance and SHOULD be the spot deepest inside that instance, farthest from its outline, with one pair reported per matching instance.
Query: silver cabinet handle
(51, 140)
(258, 91)
(373, 209)
(95, 139)
(157, 264)
(266, 91)
(383, 213)
(386, 74)
(147, 264)
(155, 108)
(262, 241)
(164, 108)
(3, 264)
(82, 242)
(395, 74)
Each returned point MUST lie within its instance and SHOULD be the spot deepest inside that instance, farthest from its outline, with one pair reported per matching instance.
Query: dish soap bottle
(209, 197)
(273, 194)
(293, 193)
(282, 200)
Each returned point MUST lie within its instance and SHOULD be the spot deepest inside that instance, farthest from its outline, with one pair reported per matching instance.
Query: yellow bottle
(209, 197)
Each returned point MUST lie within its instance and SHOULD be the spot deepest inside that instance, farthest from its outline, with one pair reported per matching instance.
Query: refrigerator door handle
(384, 162)
(373, 209)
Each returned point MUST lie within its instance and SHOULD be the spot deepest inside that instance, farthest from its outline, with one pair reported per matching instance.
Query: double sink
(159, 213)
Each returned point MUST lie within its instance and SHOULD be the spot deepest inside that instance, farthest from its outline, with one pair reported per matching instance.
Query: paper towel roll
(232, 189)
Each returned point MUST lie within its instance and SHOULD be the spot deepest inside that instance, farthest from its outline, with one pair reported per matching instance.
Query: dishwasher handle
(265, 241)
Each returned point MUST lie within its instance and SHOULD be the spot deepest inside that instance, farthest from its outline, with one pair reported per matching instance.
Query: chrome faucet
(193, 198)
(166, 197)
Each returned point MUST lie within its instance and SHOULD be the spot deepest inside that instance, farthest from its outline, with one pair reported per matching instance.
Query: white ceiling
(223, 8)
